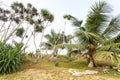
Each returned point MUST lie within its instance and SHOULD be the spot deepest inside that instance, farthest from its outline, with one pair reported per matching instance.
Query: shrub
(30, 54)
(56, 63)
(10, 57)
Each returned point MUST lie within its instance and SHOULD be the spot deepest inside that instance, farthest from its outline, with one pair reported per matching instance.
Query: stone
(90, 72)
(73, 70)
(76, 72)
(105, 70)
(118, 70)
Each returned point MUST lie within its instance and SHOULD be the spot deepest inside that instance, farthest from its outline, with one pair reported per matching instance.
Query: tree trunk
(55, 53)
(69, 54)
(91, 61)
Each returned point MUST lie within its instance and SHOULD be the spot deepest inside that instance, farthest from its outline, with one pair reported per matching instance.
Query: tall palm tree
(98, 31)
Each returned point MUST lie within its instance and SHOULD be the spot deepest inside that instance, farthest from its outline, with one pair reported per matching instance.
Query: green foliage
(75, 64)
(56, 39)
(110, 56)
(113, 27)
(56, 63)
(74, 20)
(20, 32)
(86, 37)
(30, 54)
(110, 72)
(68, 16)
(100, 30)
(97, 17)
(10, 57)
(47, 16)
(19, 14)
(38, 28)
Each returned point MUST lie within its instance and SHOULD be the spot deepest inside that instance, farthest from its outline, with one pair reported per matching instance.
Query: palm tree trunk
(91, 61)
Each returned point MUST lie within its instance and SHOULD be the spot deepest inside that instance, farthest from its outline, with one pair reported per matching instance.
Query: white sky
(77, 8)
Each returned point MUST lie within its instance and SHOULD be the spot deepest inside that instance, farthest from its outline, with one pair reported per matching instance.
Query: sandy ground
(51, 74)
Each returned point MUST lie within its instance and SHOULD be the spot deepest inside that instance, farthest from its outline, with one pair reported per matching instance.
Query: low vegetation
(10, 57)
(94, 46)
(48, 70)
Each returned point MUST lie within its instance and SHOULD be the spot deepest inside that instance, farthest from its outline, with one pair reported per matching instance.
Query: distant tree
(54, 39)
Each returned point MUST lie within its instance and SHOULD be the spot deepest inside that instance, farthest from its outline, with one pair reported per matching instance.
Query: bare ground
(51, 74)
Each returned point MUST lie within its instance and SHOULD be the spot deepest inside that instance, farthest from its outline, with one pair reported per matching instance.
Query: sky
(77, 8)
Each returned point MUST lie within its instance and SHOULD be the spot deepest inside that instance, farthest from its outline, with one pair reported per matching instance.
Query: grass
(74, 64)
(110, 72)
(47, 70)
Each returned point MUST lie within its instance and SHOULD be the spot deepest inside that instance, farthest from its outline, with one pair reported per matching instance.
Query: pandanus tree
(47, 18)
(24, 22)
(100, 32)
(12, 20)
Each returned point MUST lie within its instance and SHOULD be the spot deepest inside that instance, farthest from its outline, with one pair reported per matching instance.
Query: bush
(30, 54)
(10, 57)
(56, 63)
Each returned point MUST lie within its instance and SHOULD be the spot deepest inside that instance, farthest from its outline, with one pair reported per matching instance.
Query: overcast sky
(77, 8)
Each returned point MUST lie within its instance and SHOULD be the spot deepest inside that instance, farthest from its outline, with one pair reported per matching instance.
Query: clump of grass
(10, 57)
(56, 63)
(30, 54)
(111, 72)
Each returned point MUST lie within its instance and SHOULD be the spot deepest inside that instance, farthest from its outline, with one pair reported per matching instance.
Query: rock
(118, 70)
(75, 72)
(105, 70)
(90, 72)
(118, 55)
(91, 65)
(115, 67)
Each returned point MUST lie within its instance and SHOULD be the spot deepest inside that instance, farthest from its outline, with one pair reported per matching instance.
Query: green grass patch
(74, 64)
(110, 72)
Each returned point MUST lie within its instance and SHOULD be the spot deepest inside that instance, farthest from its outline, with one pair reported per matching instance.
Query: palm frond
(101, 7)
(110, 46)
(87, 37)
(108, 56)
(73, 46)
(113, 27)
(69, 46)
(97, 17)
(76, 22)
(58, 46)
(48, 37)
(48, 45)
(53, 33)
(112, 40)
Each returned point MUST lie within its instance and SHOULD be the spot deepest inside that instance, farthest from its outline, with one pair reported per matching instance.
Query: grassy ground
(57, 70)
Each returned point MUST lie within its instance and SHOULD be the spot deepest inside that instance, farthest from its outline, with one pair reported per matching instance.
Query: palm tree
(98, 31)
(54, 39)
